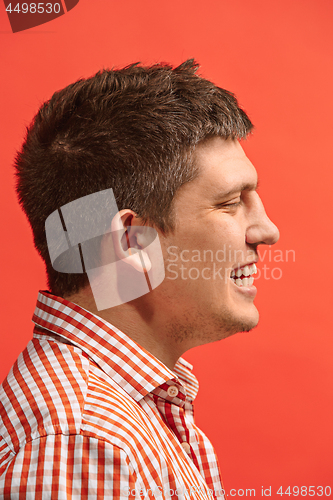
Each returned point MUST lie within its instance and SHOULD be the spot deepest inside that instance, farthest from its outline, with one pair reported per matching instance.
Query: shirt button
(186, 447)
(172, 391)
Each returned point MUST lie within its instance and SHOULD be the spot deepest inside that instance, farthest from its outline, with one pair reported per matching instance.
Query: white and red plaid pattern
(87, 413)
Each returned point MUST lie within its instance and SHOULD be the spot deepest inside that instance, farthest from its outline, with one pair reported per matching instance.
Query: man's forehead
(223, 167)
(224, 147)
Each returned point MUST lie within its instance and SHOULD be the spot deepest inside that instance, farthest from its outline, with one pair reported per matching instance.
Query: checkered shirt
(87, 413)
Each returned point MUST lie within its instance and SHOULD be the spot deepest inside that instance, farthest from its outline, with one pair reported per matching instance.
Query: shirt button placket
(172, 391)
(186, 447)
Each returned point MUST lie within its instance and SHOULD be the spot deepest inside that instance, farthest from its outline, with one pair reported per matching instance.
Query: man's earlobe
(130, 241)
(136, 244)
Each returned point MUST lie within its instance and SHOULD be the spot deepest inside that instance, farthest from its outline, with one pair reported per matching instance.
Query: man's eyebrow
(248, 186)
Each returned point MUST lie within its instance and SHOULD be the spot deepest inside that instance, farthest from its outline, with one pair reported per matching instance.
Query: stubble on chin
(197, 329)
(230, 325)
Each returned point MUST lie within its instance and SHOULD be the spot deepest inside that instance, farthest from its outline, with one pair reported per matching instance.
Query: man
(100, 404)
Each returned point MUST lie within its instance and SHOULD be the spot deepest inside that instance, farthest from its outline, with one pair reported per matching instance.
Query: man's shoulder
(44, 392)
(55, 388)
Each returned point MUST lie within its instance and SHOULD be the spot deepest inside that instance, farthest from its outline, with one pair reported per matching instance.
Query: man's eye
(233, 204)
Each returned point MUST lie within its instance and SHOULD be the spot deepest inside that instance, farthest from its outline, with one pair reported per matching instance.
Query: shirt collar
(136, 370)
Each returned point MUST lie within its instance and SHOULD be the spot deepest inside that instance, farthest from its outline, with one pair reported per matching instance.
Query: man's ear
(129, 240)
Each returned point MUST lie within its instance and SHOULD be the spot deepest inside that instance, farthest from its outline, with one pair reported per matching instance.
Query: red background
(266, 396)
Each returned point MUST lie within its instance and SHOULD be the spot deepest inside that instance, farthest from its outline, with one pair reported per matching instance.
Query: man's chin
(248, 324)
(230, 324)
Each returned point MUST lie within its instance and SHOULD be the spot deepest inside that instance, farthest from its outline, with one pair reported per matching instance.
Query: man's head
(134, 130)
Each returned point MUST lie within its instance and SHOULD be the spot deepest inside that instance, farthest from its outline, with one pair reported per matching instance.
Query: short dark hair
(133, 130)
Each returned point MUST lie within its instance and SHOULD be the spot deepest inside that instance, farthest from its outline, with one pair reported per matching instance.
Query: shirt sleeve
(68, 467)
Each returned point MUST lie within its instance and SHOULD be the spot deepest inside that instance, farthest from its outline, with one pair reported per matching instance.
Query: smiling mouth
(242, 276)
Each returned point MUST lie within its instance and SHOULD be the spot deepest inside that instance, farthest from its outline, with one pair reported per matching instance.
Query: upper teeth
(243, 271)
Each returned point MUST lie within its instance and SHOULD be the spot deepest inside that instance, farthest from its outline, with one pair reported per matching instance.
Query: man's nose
(261, 229)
